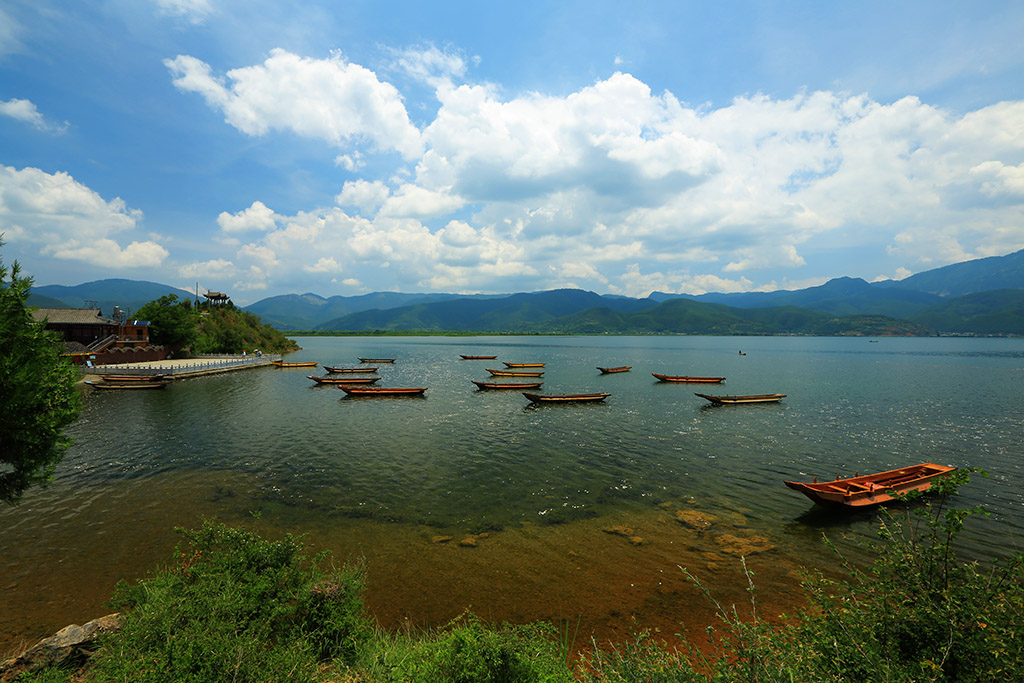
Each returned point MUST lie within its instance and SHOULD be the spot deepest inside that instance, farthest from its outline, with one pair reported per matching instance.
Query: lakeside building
(90, 336)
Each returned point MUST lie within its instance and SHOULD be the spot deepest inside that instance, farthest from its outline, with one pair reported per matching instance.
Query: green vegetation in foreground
(207, 328)
(235, 607)
(38, 399)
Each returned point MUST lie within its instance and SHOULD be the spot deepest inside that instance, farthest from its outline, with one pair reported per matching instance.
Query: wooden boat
(566, 398)
(339, 370)
(382, 391)
(465, 357)
(159, 384)
(685, 378)
(376, 360)
(871, 489)
(523, 365)
(621, 368)
(132, 378)
(283, 364)
(734, 400)
(508, 385)
(514, 373)
(343, 380)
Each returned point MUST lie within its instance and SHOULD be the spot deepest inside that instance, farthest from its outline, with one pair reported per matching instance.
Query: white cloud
(365, 196)
(256, 218)
(196, 11)
(26, 111)
(67, 220)
(326, 264)
(10, 34)
(322, 99)
(616, 188)
(435, 67)
(212, 269)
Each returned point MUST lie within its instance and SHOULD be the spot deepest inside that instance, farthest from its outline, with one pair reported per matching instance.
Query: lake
(467, 499)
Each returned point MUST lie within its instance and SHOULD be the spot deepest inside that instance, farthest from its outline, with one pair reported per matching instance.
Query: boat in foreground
(621, 368)
(514, 373)
(523, 365)
(158, 384)
(871, 489)
(566, 398)
(465, 357)
(284, 364)
(382, 391)
(508, 385)
(376, 360)
(343, 380)
(132, 378)
(687, 378)
(334, 370)
(749, 398)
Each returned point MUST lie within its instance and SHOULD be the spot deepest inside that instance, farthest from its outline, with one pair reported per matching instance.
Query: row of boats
(531, 371)
(854, 492)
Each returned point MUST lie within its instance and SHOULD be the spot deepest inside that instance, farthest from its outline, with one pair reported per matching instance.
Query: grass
(236, 607)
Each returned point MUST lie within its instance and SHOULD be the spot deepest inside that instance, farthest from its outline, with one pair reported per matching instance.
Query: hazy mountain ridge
(843, 305)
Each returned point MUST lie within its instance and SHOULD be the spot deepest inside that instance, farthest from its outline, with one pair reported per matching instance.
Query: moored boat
(285, 364)
(621, 368)
(343, 380)
(132, 378)
(159, 384)
(523, 365)
(376, 360)
(508, 385)
(871, 489)
(515, 373)
(566, 398)
(382, 391)
(749, 398)
(465, 357)
(336, 370)
(687, 378)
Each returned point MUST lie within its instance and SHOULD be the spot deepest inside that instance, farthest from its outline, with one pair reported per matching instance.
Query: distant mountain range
(985, 296)
(129, 295)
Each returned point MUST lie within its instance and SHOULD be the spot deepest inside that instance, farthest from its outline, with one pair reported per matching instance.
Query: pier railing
(187, 366)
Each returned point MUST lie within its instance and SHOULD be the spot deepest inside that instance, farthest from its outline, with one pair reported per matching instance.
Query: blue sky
(263, 148)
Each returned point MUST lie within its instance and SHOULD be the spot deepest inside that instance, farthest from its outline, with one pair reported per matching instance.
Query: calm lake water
(554, 512)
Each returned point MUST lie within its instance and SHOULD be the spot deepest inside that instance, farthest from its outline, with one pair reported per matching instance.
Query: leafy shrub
(234, 607)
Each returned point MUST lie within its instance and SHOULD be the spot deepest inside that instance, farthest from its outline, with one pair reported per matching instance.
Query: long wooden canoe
(687, 378)
(508, 385)
(871, 489)
(523, 365)
(343, 380)
(566, 398)
(283, 364)
(376, 360)
(334, 370)
(734, 400)
(621, 368)
(382, 391)
(514, 373)
(465, 357)
(159, 384)
(132, 378)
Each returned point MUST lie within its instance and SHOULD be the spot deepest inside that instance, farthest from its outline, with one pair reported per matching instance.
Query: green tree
(38, 399)
(172, 322)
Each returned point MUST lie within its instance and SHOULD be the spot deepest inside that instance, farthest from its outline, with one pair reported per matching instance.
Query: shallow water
(537, 488)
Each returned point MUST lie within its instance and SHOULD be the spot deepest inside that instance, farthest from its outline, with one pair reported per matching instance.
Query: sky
(343, 147)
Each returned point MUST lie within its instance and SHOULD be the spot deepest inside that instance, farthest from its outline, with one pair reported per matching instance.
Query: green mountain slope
(130, 295)
(997, 312)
